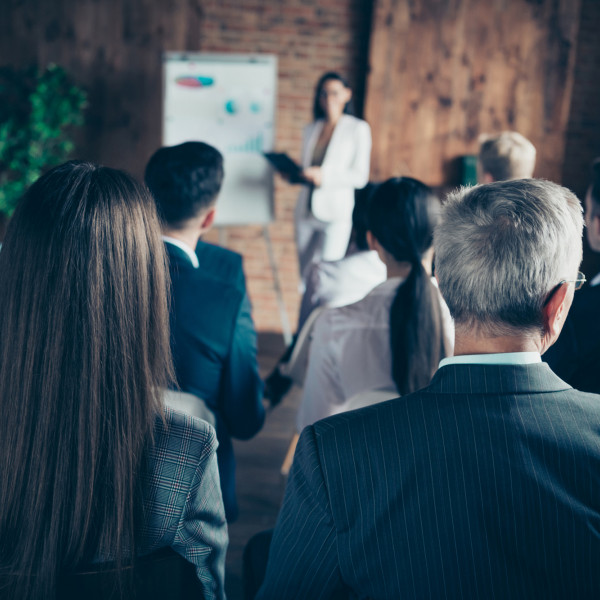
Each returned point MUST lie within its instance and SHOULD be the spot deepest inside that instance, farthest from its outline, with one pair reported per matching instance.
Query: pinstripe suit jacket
(485, 484)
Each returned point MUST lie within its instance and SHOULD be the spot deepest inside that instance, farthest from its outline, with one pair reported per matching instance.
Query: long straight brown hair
(84, 354)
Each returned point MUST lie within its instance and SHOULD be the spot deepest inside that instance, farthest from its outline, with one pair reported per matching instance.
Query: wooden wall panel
(443, 72)
(113, 50)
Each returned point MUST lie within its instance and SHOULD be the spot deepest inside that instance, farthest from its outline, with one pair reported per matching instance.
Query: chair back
(296, 366)
(163, 575)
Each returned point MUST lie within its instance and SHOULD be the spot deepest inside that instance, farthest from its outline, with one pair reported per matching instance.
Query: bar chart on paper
(227, 101)
(253, 144)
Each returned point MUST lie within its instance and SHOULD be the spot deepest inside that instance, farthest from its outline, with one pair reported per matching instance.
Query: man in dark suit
(212, 334)
(486, 483)
(576, 355)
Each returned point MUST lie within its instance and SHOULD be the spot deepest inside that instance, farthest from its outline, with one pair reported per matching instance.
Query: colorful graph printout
(229, 102)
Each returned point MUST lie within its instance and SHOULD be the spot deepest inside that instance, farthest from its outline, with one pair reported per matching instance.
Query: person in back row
(485, 483)
(212, 334)
(576, 355)
(391, 341)
(505, 156)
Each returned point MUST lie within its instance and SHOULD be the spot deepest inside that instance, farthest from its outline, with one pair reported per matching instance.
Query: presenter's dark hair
(318, 112)
(84, 353)
(403, 213)
(184, 180)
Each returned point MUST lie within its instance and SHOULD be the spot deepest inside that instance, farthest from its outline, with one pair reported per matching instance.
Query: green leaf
(38, 112)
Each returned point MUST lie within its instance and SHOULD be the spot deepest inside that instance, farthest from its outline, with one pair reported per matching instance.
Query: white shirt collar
(504, 358)
(182, 246)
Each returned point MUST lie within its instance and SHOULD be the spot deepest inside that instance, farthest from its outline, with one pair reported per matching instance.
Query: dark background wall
(583, 129)
(441, 72)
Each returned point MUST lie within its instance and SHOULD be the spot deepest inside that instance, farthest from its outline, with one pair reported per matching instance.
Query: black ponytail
(403, 213)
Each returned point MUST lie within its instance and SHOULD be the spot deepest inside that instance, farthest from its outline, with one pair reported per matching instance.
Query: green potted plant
(38, 112)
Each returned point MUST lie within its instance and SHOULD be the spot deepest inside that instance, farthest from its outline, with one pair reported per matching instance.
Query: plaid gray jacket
(183, 502)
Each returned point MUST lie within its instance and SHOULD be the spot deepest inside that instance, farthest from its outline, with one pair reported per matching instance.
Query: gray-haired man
(486, 483)
(508, 155)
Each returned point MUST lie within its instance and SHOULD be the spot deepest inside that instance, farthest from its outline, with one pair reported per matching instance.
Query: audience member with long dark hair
(391, 341)
(92, 468)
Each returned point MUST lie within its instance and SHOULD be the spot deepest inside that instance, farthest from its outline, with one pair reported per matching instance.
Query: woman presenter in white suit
(336, 155)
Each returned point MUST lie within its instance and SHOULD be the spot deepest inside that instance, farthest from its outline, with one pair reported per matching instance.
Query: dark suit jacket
(214, 349)
(575, 357)
(221, 264)
(485, 484)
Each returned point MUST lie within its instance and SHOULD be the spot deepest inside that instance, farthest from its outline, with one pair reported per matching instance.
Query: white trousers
(317, 240)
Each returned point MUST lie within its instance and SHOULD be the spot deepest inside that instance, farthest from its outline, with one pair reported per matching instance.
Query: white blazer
(345, 167)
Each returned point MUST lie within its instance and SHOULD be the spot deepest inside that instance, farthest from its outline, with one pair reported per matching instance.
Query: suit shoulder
(365, 418)
(207, 284)
(187, 437)
(586, 401)
(213, 251)
(221, 263)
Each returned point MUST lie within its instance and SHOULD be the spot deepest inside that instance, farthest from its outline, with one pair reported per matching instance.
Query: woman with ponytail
(390, 342)
(92, 467)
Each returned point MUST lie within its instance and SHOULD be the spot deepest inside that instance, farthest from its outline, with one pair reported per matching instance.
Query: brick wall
(113, 48)
(309, 38)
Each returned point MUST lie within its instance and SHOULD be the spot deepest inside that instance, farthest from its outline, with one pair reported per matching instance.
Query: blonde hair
(508, 155)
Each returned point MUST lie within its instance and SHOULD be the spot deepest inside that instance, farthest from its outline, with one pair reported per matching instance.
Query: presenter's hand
(312, 175)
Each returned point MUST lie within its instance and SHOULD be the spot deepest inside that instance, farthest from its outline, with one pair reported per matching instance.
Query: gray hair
(508, 155)
(501, 248)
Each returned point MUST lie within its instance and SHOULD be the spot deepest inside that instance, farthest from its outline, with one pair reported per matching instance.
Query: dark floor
(260, 485)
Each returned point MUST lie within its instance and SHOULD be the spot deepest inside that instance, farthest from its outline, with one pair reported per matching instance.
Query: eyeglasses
(578, 285)
(578, 282)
